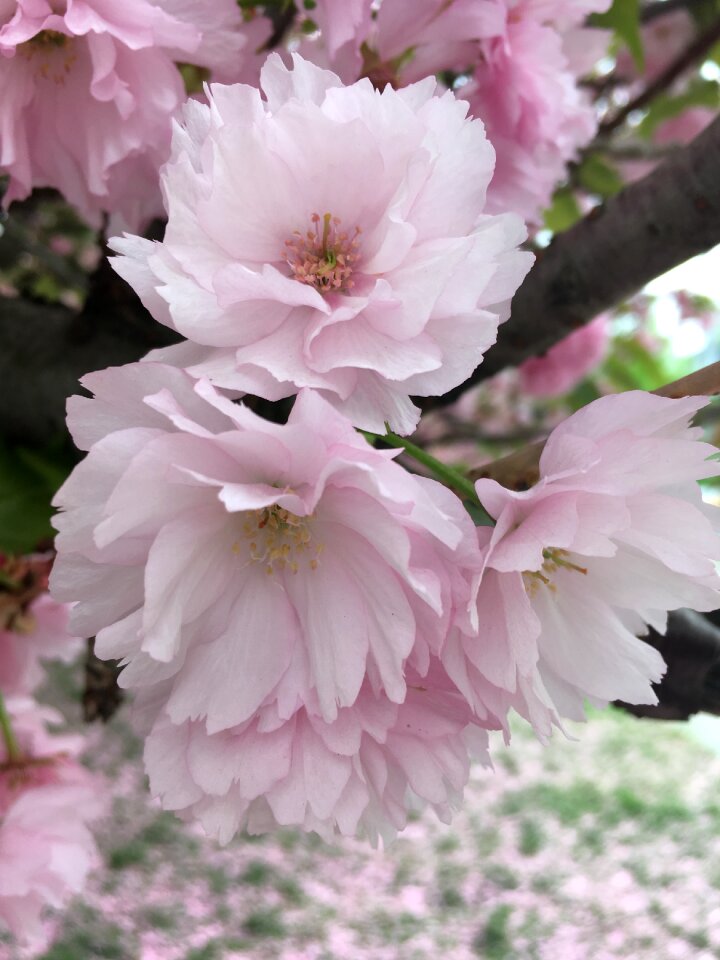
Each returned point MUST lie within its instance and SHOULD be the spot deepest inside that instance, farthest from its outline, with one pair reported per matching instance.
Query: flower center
(278, 538)
(52, 53)
(553, 560)
(324, 255)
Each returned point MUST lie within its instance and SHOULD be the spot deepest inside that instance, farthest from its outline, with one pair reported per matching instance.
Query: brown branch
(702, 43)
(661, 8)
(649, 227)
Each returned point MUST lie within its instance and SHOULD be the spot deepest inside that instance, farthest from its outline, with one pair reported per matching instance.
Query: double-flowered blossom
(89, 89)
(47, 801)
(280, 595)
(329, 237)
(358, 774)
(612, 537)
(518, 62)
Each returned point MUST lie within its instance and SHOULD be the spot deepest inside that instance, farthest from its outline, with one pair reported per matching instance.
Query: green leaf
(599, 177)
(624, 19)
(698, 93)
(28, 482)
(563, 212)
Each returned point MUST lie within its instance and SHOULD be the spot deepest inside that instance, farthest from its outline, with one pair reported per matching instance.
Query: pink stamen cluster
(323, 258)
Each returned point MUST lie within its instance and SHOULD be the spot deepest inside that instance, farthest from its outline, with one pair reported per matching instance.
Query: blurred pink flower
(525, 90)
(358, 774)
(567, 363)
(663, 40)
(523, 58)
(249, 563)
(329, 237)
(46, 801)
(612, 536)
(90, 89)
(344, 27)
(40, 633)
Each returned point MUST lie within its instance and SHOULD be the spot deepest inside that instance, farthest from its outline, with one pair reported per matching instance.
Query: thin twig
(688, 58)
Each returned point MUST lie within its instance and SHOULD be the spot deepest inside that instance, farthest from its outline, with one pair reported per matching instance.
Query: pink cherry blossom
(89, 89)
(567, 363)
(355, 775)
(344, 27)
(525, 90)
(39, 633)
(612, 536)
(522, 59)
(329, 237)
(46, 802)
(249, 563)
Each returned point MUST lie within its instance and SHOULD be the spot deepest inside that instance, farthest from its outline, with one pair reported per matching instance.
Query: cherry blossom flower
(89, 90)
(567, 363)
(518, 62)
(612, 537)
(358, 774)
(329, 237)
(250, 562)
(525, 90)
(46, 802)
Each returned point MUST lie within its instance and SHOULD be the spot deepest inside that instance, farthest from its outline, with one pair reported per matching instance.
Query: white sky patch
(700, 275)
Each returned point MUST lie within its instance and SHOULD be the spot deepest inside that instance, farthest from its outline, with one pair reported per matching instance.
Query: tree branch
(660, 8)
(640, 233)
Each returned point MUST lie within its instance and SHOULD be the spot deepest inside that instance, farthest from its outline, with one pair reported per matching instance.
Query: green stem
(447, 475)
(14, 753)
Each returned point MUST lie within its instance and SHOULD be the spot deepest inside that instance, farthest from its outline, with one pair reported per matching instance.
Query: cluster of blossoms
(314, 636)
(91, 89)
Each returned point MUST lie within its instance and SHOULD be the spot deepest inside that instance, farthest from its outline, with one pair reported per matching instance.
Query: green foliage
(265, 923)
(623, 18)
(563, 212)
(28, 481)
(493, 943)
(599, 176)
(697, 93)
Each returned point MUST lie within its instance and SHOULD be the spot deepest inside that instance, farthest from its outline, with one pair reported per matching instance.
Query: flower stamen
(323, 257)
(278, 539)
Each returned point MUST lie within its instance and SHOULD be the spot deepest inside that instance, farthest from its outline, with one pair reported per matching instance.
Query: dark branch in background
(660, 8)
(691, 649)
(45, 349)
(701, 45)
(646, 229)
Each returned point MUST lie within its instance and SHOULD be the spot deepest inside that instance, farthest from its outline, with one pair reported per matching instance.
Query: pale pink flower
(357, 775)
(344, 27)
(612, 536)
(89, 90)
(329, 237)
(46, 802)
(567, 363)
(522, 58)
(251, 563)
(38, 633)
(525, 90)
